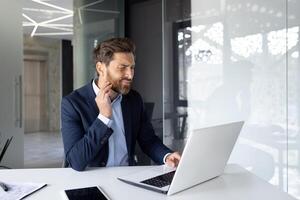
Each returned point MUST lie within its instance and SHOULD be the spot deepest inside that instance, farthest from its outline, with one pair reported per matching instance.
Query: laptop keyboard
(161, 180)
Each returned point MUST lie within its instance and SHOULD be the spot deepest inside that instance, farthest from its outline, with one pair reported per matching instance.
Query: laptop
(204, 157)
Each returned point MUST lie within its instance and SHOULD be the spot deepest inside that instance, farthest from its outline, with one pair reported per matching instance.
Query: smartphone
(88, 193)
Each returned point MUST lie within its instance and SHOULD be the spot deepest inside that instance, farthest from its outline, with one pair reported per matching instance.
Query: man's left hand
(173, 159)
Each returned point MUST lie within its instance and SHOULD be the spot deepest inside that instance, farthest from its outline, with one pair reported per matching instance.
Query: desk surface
(235, 184)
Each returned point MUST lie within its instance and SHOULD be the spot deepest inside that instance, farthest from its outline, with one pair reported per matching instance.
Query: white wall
(11, 51)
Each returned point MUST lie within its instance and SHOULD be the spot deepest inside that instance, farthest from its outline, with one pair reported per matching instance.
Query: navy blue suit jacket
(85, 137)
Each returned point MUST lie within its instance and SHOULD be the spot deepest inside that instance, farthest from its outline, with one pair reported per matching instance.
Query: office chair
(8, 141)
(140, 158)
(65, 163)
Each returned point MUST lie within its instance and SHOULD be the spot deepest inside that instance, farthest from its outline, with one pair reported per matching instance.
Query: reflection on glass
(277, 40)
(247, 46)
(239, 61)
(184, 59)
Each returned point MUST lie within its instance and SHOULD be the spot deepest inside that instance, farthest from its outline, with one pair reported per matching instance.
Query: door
(35, 87)
(11, 64)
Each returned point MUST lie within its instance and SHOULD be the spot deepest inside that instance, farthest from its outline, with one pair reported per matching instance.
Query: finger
(105, 90)
(174, 161)
(106, 97)
(102, 82)
(177, 156)
(170, 163)
(107, 87)
(104, 85)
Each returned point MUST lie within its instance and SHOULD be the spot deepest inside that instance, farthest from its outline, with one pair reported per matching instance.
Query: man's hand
(103, 100)
(173, 159)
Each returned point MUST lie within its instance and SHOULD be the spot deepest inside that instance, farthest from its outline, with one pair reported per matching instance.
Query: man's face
(120, 72)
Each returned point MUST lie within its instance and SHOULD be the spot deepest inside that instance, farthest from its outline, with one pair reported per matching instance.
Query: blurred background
(199, 63)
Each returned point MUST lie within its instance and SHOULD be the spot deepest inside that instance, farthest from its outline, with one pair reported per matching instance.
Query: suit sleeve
(80, 147)
(149, 142)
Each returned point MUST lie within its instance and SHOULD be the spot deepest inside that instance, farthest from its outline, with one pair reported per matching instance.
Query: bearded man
(102, 121)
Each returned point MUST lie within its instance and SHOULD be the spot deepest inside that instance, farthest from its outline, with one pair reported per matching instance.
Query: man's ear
(100, 67)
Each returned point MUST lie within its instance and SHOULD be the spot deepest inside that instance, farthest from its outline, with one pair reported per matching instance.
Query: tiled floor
(43, 150)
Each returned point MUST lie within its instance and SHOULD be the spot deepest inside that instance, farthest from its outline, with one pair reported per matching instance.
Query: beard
(118, 86)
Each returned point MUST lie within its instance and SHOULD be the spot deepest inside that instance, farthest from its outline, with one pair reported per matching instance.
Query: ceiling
(48, 18)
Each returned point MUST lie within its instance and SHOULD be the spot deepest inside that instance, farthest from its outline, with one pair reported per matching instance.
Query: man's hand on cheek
(103, 100)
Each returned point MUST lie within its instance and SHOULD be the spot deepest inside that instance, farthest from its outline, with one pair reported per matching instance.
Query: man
(102, 121)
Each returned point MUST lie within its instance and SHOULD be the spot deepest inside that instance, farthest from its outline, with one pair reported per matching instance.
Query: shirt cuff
(166, 157)
(105, 120)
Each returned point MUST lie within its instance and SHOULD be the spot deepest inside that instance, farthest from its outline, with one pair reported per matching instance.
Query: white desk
(235, 184)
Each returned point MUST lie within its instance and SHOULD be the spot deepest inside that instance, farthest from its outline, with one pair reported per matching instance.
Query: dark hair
(104, 51)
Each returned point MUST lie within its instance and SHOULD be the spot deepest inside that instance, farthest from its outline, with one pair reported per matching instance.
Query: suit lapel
(91, 100)
(127, 122)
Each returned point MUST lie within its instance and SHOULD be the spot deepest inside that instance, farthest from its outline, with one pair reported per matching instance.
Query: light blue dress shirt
(118, 154)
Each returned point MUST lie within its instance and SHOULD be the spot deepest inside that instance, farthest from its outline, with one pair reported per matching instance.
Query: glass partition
(94, 21)
(293, 99)
(235, 60)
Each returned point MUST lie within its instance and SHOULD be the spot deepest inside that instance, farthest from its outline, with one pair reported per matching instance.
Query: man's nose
(129, 73)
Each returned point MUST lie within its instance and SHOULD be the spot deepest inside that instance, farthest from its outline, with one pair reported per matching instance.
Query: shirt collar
(96, 90)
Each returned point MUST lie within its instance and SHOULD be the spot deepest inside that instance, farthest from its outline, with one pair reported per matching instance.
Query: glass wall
(236, 60)
(94, 21)
(293, 98)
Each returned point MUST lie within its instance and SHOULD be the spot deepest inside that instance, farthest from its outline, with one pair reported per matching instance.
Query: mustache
(126, 79)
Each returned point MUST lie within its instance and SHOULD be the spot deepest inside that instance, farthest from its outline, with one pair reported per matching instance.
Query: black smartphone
(88, 193)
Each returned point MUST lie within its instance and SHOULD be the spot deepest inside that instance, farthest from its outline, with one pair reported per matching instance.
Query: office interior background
(199, 63)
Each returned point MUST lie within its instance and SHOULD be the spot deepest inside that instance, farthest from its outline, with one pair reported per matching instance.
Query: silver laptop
(204, 157)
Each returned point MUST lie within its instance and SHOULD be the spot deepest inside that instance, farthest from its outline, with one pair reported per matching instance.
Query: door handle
(18, 101)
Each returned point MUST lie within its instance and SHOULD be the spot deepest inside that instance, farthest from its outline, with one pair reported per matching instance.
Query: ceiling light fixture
(63, 27)
(34, 23)
(103, 11)
(27, 24)
(34, 30)
(91, 4)
(29, 19)
(52, 6)
(61, 33)
(84, 8)
(48, 25)
(56, 19)
(45, 10)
